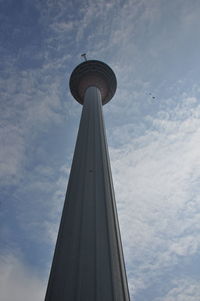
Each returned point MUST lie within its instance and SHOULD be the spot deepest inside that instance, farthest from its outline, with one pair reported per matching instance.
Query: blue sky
(153, 47)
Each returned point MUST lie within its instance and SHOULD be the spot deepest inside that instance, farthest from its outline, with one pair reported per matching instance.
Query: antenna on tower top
(84, 56)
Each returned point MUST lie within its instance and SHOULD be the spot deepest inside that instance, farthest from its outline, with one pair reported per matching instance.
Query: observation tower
(88, 262)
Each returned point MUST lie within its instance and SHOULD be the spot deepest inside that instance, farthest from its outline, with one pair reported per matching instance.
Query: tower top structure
(93, 73)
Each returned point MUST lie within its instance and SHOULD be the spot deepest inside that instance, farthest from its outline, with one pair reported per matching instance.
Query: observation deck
(93, 73)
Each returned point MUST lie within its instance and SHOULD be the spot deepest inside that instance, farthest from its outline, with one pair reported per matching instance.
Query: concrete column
(88, 263)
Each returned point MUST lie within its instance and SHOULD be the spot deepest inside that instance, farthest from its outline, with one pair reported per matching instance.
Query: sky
(153, 133)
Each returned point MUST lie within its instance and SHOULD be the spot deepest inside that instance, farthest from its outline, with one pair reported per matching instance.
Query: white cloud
(156, 183)
(18, 282)
(12, 153)
(30, 104)
(187, 245)
(63, 27)
(183, 290)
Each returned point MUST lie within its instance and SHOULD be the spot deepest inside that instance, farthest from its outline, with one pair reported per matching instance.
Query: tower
(88, 263)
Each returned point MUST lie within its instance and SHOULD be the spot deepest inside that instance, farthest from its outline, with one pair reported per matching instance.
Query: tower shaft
(88, 262)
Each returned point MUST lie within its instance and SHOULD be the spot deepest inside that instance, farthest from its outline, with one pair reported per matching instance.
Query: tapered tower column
(88, 262)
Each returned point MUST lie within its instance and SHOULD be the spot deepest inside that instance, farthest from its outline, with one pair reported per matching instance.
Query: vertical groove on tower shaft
(88, 262)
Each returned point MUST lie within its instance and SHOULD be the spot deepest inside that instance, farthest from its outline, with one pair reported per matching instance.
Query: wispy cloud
(183, 290)
(156, 181)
